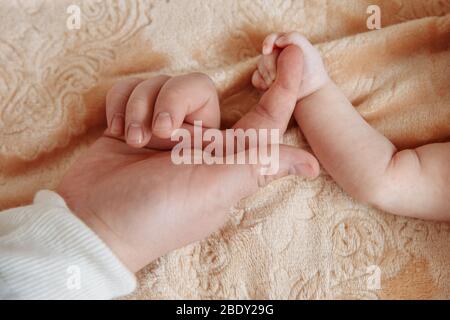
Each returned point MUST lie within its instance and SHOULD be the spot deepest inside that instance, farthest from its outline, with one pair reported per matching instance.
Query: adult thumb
(238, 181)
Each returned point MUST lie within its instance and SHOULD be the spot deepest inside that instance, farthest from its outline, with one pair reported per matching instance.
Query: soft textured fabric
(47, 253)
(294, 239)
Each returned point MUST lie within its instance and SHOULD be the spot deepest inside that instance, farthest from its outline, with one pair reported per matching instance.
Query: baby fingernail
(271, 77)
(302, 169)
(163, 121)
(135, 133)
(117, 125)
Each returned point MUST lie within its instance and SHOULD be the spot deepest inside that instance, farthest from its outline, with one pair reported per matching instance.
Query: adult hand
(143, 206)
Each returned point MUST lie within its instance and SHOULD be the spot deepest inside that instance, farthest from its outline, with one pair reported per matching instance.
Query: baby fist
(314, 74)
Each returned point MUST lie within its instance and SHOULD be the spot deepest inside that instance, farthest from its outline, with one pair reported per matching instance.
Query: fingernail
(266, 50)
(163, 121)
(117, 125)
(279, 41)
(135, 133)
(273, 75)
(302, 169)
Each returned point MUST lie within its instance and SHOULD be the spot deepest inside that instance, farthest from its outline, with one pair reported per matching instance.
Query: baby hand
(314, 74)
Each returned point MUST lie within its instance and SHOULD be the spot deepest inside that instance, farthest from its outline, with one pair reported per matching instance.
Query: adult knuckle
(265, 112)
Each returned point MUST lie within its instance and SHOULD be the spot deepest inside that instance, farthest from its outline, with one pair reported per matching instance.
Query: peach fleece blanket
(295, 239)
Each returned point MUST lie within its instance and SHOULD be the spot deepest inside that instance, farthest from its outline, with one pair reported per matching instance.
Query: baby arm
(363, 162)
(368, 166)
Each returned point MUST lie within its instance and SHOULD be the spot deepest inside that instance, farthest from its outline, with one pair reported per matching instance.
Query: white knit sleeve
(46, 252)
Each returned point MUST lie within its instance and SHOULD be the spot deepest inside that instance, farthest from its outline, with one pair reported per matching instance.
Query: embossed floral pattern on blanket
(295, 239)
(46, 73)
